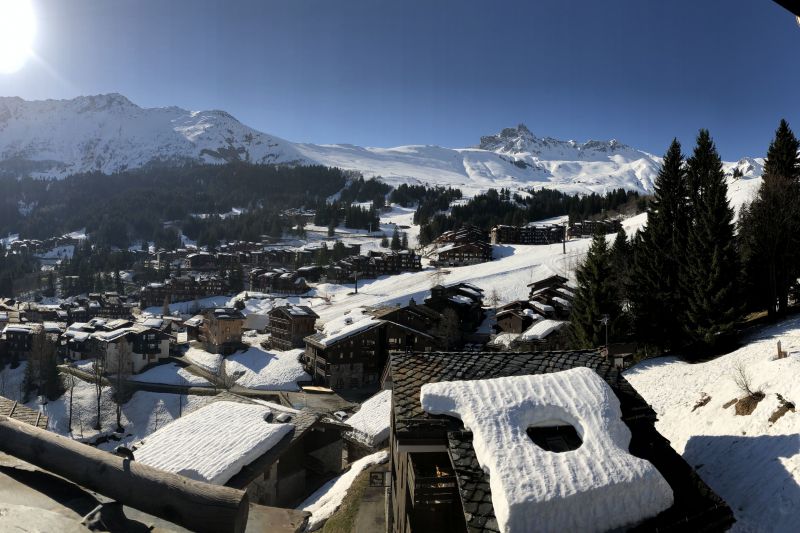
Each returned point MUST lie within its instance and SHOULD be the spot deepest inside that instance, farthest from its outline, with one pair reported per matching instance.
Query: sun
(17, 30)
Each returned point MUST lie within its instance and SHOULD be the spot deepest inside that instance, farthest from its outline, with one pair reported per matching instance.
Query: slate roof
(696, 507)
(17, 411)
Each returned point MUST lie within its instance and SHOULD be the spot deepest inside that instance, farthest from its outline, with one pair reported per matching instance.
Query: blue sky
(381, 73)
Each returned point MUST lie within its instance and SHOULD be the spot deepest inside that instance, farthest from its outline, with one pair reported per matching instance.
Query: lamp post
(604, 321)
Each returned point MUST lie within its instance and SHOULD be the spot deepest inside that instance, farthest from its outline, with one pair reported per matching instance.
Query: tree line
(502, 207)
(691, 274)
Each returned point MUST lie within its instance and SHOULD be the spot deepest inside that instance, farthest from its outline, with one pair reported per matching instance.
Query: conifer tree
(595, 297)
(710, 275)
(395, 245)
(769, 228)
(659, 255)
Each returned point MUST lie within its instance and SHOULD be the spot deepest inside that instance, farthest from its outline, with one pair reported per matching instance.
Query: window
(558, 439)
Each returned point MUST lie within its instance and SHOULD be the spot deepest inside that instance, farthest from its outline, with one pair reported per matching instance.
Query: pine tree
(659, 255)
(404, 241)
(710, 276)
(595, 297)
(395, 245)
(384, 241)
(769, 228)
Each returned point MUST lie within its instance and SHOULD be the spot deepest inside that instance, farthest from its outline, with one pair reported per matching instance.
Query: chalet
(221, 330)
(587, 228)
(181, 289)
(200, 261)
(416, 316)
(289, 325)
(530, 234)
(466, 246)
(542, 334)
(438, 484)
(132, 348)
(105, 305)
(516, 317)
(26, 341)
(351, 352)
(463, 298)
(286, 454)
(278, 281)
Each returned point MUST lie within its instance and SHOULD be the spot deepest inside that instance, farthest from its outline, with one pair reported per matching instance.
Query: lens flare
(17, 31)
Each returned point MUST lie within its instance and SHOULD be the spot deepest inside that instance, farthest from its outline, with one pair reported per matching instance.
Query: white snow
(541, 329)
(108, 133)
(324, 502)
(257, 368)
(597, 487)
(204, 359)
(371, 423)
(753, 464)
(213, 443)
(171, 374)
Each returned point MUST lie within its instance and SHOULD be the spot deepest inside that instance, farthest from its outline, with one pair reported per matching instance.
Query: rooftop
(696, 506)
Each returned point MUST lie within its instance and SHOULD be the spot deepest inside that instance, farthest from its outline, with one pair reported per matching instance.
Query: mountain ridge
(109, 133)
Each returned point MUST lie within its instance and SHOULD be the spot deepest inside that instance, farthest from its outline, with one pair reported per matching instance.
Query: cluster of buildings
(37, 246)
(279, 280)
(530, 234)
(538, 323)
(352, 351)
(184, 288)
(375, 263)
(466, 246)
(551, 233)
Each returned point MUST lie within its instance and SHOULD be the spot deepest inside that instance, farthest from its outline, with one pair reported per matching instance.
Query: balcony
(431, 480)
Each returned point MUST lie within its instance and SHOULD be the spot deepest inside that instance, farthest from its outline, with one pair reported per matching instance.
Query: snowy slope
(108, 133)
(599, 486)
(752, 461)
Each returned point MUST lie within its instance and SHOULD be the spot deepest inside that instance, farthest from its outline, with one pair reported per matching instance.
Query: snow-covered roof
(213, 443)
(345, 326)
(371, 422)
(596, 487)
(541, 329)
(561, 301)
(153, 322)
(544, 308)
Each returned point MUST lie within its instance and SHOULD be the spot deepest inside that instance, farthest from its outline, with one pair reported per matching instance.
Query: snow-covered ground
(750, 461)
(171, 374)
(213, 443)
(324, 502)
(257, 368)
(371, 422)
(599, 486)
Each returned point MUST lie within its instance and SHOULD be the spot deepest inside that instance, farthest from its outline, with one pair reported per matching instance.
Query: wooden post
(188, 503)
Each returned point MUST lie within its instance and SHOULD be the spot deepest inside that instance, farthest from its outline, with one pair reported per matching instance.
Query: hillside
(751, 460)
(108, 133)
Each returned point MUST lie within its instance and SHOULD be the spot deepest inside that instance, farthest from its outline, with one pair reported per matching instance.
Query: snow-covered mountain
(108, 133)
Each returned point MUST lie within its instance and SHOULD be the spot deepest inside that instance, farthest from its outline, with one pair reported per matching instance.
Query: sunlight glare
(17, 30)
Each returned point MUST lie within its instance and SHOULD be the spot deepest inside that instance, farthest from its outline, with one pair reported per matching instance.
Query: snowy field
(751, 462)
(204, 359)
(257, 368)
